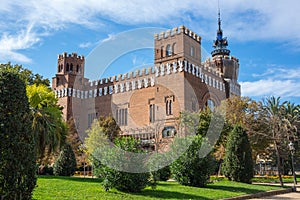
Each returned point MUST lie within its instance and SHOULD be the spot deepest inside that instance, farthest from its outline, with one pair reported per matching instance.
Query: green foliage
(48, 125)
(109, 126)
(65, 164)
(191, 168)
(238, 163)
(163, 174)
(26, 75)
(121, 180)
(17, 142)
(113, 177)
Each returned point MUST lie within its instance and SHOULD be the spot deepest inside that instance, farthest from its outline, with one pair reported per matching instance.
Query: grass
(51, 187)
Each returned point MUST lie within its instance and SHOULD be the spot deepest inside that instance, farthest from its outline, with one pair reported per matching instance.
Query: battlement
(73, 55)
(226, 58)
(177, 31)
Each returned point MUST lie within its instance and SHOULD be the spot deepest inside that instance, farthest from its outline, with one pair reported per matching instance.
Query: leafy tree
(26, 75)
(192, 168)
(17, 142)
(280, 120)
(238, 163)
(74, 140)
(65, 164)
(109, 126)
(243, 111)
(48, 125)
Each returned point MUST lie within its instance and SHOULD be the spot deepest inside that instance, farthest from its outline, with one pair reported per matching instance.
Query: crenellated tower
(70, 74)
(178, 43)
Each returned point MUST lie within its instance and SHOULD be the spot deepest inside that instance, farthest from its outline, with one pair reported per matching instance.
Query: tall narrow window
(71, 67)
(168, 50)
(125, 117)
(162, 52)
(170, 108)
(169, 105)
(67, 69)
(117, 116)
(173, 48)
(167, 108)
(152, 113)
(192, 51)
(77, 68)
(211, 104)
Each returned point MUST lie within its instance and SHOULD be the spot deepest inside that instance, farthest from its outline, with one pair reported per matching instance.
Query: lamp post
(292, 150)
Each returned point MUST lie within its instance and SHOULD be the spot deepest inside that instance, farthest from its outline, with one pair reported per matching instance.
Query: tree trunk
(278, 164)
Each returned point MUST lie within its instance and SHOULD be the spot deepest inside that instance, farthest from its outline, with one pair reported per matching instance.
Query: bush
(121, 180)
(163, 174)
(238, 163)
(17, 145)
(191, 168)
(65, 164)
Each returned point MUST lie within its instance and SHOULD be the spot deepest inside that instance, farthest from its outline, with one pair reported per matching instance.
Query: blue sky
(264, 35)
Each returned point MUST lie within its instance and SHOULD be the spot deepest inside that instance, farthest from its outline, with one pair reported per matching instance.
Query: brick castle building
(149, 101)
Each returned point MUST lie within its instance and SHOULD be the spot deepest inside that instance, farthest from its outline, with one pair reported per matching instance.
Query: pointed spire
(220, 43)
(219, 16)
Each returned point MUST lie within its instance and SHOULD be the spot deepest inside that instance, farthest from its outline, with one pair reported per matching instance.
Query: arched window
(71, 67)
(173, 48)
(211, 104)
(68, 66)
(168, 50)
(162, 52)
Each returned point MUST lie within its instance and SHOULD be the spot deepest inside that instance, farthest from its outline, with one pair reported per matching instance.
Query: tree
(74, 140)
(244, 111)
(48, 125)
(192, 168)
(17, 142)
(65, 164)
(109, 126)
(238, 163)
(26, 75)
(280, 120)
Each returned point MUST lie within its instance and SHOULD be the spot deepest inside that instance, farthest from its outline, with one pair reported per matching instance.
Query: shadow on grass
(66, 178)
(234, 189)
(161, 194)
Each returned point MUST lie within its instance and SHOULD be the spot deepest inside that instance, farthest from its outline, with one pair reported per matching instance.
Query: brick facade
(148, 101)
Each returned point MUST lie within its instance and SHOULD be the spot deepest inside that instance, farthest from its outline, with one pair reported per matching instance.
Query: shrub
(191, 168)
(122, 180)
(17, 144)
(163, 174)
(238, 163)
(65, 164)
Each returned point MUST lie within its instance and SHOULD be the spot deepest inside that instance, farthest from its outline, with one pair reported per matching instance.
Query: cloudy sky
(264, 35)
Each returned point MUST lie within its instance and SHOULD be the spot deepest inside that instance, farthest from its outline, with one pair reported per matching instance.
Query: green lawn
(51, 187)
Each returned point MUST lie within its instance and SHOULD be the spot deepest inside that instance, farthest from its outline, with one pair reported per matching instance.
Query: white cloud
(85, 45)
(275, 81)
(270, 87)
(254, 20)
(10, 44)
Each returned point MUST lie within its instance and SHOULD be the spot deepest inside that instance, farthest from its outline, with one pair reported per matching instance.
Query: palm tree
(48, 125)
(273, 112)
